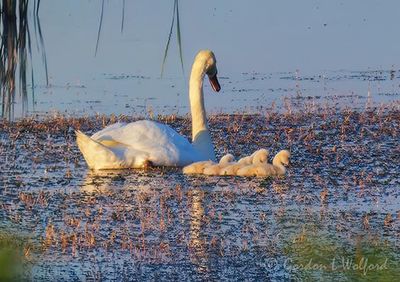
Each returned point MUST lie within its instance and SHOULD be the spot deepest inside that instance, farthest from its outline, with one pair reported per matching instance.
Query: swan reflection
(197, 241)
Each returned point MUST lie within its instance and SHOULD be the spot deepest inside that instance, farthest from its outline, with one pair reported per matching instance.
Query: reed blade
(42, 45)
(123, 16)
(100, 25)
(37, 7)
(34, 14)
(178, 35)
(30, 57)
(16, 54)
(169, 38)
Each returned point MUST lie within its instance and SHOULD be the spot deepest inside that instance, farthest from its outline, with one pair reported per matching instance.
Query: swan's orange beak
(214, 83)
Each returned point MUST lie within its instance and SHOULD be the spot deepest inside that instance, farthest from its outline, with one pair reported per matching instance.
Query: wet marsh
(296, 82)
(340, 193)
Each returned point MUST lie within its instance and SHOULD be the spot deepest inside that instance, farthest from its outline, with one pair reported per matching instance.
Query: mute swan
(258, 157)
(263, 170)
(215, 168)
(142, 143)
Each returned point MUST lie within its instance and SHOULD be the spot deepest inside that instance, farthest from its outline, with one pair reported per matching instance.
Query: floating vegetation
(339, 197)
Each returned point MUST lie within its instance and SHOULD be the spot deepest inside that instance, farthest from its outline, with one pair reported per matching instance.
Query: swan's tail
(96, 155)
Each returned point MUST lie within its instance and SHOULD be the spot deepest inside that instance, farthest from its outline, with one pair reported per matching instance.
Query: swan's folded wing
(108, 129)
(95, 154)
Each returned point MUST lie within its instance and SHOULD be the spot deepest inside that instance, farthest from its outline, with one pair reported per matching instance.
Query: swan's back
(162, 145)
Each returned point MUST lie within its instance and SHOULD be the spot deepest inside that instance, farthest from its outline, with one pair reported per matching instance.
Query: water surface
(347, 48)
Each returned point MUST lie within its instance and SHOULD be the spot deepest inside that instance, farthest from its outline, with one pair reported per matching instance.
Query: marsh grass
(16, 53)
(328, 257)
(143, 221)
(15, 257)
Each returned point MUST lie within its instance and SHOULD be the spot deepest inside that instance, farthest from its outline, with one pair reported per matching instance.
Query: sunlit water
(338, 201)
(265, 51)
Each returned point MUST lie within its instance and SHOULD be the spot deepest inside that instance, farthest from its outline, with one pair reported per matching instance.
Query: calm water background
(265, 51)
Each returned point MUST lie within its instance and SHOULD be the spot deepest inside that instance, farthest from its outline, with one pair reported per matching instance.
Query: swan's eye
(212, 72)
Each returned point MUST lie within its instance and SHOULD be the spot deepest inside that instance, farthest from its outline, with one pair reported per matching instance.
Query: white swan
(214, 169)
(265, 169)
(142, 143)
(258, 157)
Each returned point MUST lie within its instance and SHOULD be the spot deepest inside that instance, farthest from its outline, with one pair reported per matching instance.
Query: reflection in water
(15, 46)
(198, 254)
(108, 181)
(97, 182)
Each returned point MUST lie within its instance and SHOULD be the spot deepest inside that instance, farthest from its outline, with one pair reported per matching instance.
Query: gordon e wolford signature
(337, 264)
(362, 265)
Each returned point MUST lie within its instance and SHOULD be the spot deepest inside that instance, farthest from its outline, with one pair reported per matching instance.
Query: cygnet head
(260, 156)
(227, 159)
(282, 157)
(205, 63)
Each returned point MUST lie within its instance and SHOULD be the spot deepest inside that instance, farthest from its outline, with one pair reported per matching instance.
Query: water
(261, 40)
(338, 202)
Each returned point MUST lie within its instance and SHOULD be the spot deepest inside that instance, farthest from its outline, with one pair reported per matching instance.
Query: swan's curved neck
(196, 96)
(201, 138)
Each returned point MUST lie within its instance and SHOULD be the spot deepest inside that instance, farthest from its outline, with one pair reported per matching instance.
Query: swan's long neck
(201, 138)
(196, 96)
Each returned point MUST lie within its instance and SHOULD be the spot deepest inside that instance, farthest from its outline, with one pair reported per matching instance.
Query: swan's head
(208, 64)
(283, 157)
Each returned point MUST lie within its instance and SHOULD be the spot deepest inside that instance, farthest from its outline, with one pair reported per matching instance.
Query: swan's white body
(214, 169)
(137, 144)
(264, 169)
(258, 157)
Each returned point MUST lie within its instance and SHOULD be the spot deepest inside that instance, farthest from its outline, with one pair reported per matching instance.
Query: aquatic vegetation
(15, 257)
(327, 257)
(138, 222)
